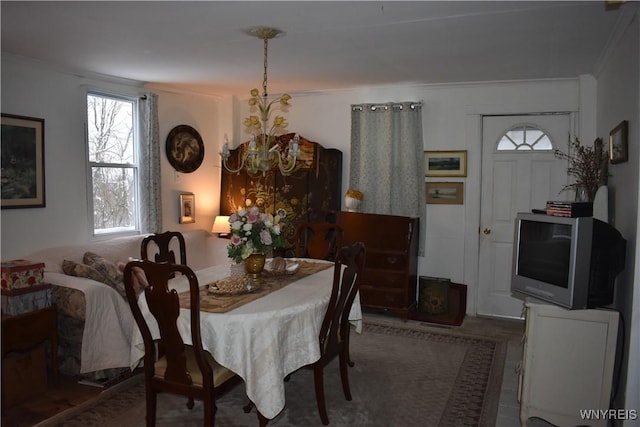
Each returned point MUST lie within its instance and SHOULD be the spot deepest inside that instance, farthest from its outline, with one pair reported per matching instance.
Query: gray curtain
(150, 192)
(387, 159)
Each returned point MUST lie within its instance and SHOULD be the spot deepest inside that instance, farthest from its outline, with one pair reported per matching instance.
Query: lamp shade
(221, 225)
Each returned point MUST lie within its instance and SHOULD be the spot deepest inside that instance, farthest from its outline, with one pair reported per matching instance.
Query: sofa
(94, 319)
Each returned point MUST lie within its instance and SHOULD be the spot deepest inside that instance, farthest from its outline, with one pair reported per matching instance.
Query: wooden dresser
(391, 267)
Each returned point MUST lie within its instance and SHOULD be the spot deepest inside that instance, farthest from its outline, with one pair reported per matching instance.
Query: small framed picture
(444, 193)
(618, 143)
(187, 208)
(22, 162)
(445, 163)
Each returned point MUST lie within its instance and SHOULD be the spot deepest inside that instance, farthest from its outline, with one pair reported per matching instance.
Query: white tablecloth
(262, 341)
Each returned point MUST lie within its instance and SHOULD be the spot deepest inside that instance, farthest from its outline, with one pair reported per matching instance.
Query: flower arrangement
(260, 124)
(253, 231)
(589, 166)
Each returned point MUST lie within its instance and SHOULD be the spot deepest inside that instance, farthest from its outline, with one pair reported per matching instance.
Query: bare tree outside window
(111, 144)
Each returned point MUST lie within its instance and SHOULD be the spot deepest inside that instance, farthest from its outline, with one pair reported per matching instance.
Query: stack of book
(569, 209)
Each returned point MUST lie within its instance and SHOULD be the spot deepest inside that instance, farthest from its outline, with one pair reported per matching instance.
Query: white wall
(31, 89)
(200, 112)
(451, 120)
(619, 99)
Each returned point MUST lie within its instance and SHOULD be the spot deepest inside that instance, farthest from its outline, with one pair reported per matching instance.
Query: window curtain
(387, 160)
(149, 165)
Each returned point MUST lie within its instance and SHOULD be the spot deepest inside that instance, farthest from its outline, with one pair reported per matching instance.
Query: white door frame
(473, 129)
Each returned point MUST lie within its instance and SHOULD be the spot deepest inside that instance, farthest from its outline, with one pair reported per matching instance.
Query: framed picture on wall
(187, 208)
(444, 193)
(22, 162)
(445, 163)
(618, 143)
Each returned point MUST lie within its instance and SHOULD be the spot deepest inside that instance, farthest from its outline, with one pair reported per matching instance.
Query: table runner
(222, 303)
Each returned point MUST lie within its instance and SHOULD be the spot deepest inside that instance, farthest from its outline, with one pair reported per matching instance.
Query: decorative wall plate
(185, 149)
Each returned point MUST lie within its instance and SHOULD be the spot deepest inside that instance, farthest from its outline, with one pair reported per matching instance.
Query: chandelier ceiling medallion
(264, 152)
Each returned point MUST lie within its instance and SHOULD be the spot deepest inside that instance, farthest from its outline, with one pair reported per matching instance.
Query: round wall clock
(185, 149)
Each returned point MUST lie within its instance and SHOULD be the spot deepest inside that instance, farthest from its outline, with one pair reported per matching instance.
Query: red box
(21, 273)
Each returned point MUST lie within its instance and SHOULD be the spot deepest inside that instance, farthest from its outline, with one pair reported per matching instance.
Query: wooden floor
(55, 400)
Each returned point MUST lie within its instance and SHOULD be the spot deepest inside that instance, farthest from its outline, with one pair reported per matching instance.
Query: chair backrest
(165, 253)
(347, 272)
(164, 306)
(318, 240)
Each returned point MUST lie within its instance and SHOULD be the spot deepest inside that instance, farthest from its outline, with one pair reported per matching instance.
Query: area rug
(404, 374)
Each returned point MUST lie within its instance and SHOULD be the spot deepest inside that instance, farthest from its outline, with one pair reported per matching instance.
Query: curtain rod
(373, 107)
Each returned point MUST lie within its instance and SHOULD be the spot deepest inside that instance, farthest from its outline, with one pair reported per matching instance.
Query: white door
(519, 173)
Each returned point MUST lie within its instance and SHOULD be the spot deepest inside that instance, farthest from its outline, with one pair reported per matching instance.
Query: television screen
(545, 251)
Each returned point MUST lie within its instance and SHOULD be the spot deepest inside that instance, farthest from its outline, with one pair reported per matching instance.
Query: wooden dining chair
(170, 366)
(165, 253)
(334, 332)
(318, 240)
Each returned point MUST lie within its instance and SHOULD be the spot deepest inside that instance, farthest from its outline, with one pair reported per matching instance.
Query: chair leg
(346, 344)
(152, 400)
(262, 420)
(210, 409)
(344, 374)
(190, 402)
(318, 379)
(248, 407)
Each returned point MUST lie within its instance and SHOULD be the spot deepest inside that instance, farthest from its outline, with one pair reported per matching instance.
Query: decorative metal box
(21, 273)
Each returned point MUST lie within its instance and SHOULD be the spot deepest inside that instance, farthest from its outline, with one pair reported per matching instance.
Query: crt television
(570, 262)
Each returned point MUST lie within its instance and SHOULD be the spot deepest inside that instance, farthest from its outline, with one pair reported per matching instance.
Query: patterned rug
(404, 374)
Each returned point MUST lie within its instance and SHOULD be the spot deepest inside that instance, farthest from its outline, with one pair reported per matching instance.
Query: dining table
(263, 339)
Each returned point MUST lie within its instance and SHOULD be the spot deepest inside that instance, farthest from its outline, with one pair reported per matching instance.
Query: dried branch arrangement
(588, 165)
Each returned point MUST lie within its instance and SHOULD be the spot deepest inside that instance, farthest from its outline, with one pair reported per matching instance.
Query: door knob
(486, 230)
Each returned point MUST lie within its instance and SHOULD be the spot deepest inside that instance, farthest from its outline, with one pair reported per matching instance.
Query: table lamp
(221, 226)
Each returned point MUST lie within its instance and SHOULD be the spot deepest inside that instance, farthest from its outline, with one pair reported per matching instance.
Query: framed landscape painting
(444, 193)
(22, 162)
(445, 163)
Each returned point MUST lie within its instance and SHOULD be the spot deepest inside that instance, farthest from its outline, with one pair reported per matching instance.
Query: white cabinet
(568, 363)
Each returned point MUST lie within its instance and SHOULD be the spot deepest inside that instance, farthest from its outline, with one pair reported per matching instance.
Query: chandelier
(264, 151)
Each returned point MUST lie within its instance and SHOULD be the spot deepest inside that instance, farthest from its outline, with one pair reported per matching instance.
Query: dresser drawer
(386, 261)
(380, 279)
(373, 297)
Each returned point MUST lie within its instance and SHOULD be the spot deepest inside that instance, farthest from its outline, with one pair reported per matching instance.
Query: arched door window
(525, 138)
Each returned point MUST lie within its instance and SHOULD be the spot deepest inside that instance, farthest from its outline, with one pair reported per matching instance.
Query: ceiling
(203, 46)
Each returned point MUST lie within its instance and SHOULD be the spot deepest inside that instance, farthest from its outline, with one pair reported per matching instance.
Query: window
(112, 148)
(525, 138)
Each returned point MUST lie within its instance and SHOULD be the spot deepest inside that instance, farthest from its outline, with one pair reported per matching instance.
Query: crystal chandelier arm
(226, 154)
(293, 151)
(225, 162)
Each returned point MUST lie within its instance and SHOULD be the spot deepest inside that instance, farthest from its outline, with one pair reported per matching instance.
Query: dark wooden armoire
(311, 193)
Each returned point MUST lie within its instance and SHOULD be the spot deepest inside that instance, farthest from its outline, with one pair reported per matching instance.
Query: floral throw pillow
(109, 269)
(82, 270)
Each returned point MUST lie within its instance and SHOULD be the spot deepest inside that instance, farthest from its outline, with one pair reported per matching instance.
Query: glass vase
(254, 264)
(582, 195)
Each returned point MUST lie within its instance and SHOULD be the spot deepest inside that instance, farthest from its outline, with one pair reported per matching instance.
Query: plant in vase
(588, 165)
(254, 232)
